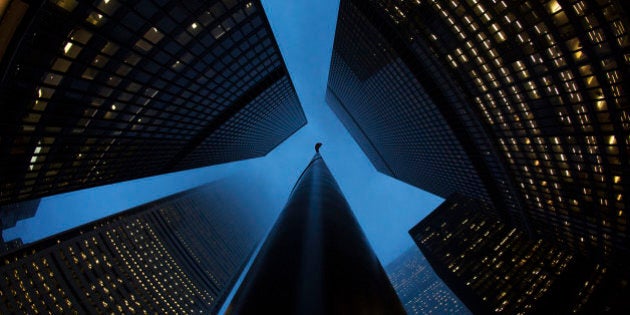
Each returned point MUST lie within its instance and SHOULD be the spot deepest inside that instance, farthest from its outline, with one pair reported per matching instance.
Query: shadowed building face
(97, 92)
(316, 259)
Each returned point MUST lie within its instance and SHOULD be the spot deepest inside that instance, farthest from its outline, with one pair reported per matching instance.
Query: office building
(495, 268)
(97, 92)
(520, 104)
(316, 259)
(181, 254)
(420, 290)
(9, 215)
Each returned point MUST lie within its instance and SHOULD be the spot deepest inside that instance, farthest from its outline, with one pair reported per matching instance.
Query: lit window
(217, 32)
(71, 50)
(108, 6)
(95, 19)
(67, 5)
(553, 7)
(154, 35)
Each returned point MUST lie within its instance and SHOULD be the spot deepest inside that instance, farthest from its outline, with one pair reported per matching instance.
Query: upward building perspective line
(316, 259)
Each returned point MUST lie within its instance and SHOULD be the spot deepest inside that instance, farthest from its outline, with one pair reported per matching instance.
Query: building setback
(521, 104)
(495, 268)
(10, 215)
(180, 254)
(420, 290)
(97, 92)
(316, 259)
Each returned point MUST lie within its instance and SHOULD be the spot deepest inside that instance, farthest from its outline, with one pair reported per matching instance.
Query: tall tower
(420, 290)
(180, 254)
(316, 260)
(521, 105)
(97, 92)
(495, 268)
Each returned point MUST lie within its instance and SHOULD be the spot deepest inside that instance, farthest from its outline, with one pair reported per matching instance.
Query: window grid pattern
(545, 77)
(255, 130)
(127, 87)
(395, 113)
(179, 255)
(420, 290)
(495, 268)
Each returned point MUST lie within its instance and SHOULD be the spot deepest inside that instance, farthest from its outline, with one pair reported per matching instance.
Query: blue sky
(385, 207)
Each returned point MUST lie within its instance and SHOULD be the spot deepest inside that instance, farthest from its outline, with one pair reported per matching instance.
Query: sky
(386, 208)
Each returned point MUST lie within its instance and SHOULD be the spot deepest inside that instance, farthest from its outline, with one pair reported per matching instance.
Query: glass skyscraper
(420, 290)
(181, 254)
(97, 92)
(495, 268)
(520, 105)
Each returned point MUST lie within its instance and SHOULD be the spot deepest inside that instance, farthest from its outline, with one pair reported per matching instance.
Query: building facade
(420, 290)
(523, 103)
(9, 215)
(495, 268)
(96, 92)
(316, 259)
(181, 254)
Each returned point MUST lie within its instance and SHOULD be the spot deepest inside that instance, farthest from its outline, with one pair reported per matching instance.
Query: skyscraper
(180, 254)
(495, 268)
(9, 215)
(96, 92)
(521, 106)
(316, 259)
(420, 290)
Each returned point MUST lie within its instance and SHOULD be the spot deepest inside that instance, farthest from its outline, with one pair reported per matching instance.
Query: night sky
(385, 207)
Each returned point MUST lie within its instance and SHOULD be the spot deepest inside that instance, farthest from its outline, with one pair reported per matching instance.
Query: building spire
(317, 146)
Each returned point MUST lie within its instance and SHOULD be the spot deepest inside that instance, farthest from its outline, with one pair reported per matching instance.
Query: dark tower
(316, 259)
(98, 92)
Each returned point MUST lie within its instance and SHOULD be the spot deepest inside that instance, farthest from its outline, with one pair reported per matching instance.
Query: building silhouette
(316, 259)
(420, 290)
(181, 254)
(9, 215)
(521, 106)
(97, 92)
(495, 268)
